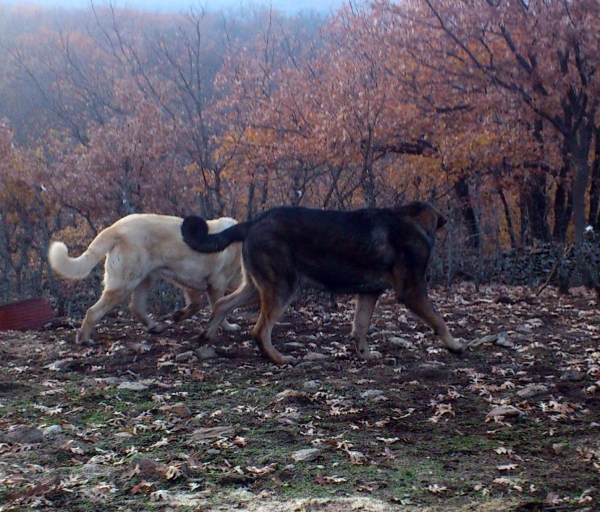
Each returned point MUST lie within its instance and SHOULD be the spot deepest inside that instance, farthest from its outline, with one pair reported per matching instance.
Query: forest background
(486, 108)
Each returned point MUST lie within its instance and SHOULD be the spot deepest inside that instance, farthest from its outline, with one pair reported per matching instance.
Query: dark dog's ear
(194, 229)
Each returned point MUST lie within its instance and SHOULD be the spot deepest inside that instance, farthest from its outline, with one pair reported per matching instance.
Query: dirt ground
(142, 423)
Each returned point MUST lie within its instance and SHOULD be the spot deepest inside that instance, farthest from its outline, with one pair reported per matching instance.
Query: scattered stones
(307, 455)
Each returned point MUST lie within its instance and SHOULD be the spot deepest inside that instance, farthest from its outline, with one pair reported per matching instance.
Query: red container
(25, 314)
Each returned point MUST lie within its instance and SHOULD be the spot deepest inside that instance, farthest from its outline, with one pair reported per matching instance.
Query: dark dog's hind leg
(273, 303)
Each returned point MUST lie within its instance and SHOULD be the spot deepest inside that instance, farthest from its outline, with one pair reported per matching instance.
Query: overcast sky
(289, 6)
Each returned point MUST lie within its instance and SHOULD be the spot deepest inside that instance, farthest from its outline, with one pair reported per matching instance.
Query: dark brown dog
(363, 252)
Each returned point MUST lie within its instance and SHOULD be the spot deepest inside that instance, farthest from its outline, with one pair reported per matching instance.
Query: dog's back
(344, 251)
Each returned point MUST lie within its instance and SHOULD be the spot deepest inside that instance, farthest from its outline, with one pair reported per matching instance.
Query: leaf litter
(512, 425)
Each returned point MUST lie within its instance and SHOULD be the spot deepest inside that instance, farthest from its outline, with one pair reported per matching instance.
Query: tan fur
(140, 247)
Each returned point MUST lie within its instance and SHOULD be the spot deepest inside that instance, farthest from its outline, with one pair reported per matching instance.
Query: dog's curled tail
(80, 267)
(195, 234)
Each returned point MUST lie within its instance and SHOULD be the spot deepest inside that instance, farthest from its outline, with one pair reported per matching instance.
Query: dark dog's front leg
(419, 303)
(365, 305)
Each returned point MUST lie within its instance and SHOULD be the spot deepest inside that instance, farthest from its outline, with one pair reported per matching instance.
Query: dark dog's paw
(157, 329)
(460, 351)
(202, 338)
(282, 360)
(181, 314)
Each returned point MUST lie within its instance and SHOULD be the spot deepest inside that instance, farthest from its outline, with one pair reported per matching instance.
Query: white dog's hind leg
(213, 296)
(193, 303)
(139, 306)
(245, 295)
(109, 300)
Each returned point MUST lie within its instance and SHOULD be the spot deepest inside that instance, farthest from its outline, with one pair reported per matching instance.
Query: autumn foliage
(489, 109)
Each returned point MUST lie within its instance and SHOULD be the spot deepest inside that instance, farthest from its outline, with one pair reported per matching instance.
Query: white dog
(138, 248)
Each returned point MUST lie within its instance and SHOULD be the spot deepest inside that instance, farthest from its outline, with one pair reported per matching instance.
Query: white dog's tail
(78, 268)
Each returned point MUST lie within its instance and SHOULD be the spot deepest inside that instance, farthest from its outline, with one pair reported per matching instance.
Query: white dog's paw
(231, 327)
(374, 354)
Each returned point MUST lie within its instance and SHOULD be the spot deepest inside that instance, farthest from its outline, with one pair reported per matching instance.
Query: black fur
(362, 251)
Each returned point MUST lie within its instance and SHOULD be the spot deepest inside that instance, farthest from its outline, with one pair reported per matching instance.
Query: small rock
(559, 448)
(307, 365)
(401, 342)
(179, 409)
(310, 338)
(370, 393)
(52, 431)
(166, 366)
(294, 344)
(535, 322)
(524, 329)
(133, 386)
(148, 467)
(311, 385)
(573, 376)
(206, 352)
(142, 348)
(61, 365)
(184, 356)
(504, 341)
(356, 458)
(314, 356)
(532, 390)
(23, 435)
(288, 393)
(307, 455)
(503, 411)
(108, 381)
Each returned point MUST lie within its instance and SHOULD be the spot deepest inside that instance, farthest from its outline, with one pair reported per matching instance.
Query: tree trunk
(537, 207)
(468, 212)
(509, 223)
(594, 214)
(563, 204)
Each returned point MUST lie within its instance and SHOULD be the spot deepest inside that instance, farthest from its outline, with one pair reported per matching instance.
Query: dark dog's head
(425, 215)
